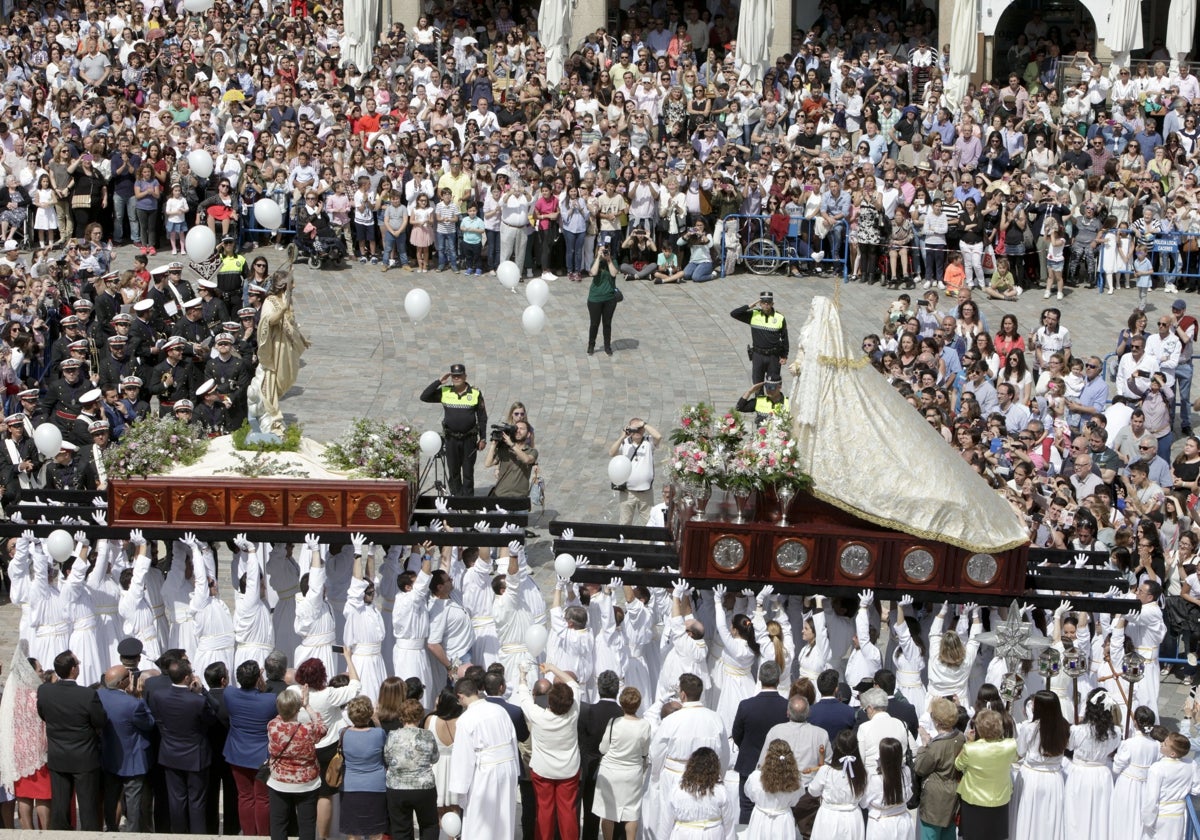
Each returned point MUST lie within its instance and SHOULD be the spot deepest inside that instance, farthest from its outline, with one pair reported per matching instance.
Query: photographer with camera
(643, 259)
(602, 298)
(509, 449)
(636, 442)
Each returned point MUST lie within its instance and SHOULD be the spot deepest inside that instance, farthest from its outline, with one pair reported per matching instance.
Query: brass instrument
(168, 379)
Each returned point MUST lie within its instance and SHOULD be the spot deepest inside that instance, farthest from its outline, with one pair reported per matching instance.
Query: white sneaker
(1046, 295)
(1019, 291)
(927, 284)
(941, 284)
(1059, 295)
(1191, 658)
(1171, 289)
(549, 276)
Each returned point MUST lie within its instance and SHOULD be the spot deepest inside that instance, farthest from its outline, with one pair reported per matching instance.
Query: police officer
(231, 378)
(232, 271)
(463, 424)
(765, 399)
(768, 335)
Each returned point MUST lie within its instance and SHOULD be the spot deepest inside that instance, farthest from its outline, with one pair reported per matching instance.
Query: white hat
(193, 303)
(174, 341)
(208, 284)
(144, 305)
(11, 245)
(90, 396)
(67, 446)
(206, 387)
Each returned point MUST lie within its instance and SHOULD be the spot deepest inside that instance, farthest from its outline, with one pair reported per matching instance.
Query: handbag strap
(274, 758)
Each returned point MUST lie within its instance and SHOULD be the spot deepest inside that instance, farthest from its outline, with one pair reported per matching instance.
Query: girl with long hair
(1133, 757)
(840, 784)
(813, 655)
(700, 807)
(443, 722)
(909, 656)
(951, 661)
(774, 788)
(739, 653)
(888, 792)
(1089, 791)
(1041, 742)
(774, 637)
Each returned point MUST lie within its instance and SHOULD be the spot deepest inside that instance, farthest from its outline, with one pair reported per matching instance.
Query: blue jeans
(125, 209)
(837, 239)
(492, 257)
(395, 246)
(574, 247)
(1183, 393)
(447, 250)
(698, 272)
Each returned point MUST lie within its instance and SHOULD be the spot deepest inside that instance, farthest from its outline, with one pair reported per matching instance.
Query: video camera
(499, 430)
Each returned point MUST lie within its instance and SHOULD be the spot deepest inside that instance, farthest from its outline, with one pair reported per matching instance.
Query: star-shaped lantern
(1015, 639)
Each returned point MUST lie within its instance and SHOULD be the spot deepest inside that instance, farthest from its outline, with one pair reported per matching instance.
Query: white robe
(840, 815)
(685, 656)
(772, 816)
(681, 734)
(738, 663)
(364, 632)
(1040, 809)
(137, 612)
(573, 650)
(283, 579)
(177, 596)
(1147, 633)
(252, 627)
(212, 623)
(713, 817)
(315, 624)
(410, 628)
(484, 769)
(513, 620)
(1169, 782)
(85, 636)
(909, 665)
(50, 614)
(1131, 765)
(1089, 791)
(477, 598)
(887, 822)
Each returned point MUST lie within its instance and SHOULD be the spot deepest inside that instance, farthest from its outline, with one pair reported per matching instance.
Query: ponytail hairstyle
(845, 745)
(891, 768)
(745, 632)
(914, 630)
(1143, 718)
(775, 635)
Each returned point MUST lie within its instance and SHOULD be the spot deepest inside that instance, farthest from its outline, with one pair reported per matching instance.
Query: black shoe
(1186, 430)
(608, 349)
(591, 349)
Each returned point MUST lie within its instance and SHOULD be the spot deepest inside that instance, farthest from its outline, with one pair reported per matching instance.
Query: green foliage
(290, 442)
(262, 465)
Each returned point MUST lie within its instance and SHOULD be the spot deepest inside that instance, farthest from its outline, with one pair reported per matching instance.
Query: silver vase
(702, 494)
(785, 493)
(741, 497)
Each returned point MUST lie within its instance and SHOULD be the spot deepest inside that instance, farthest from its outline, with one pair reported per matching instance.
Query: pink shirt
(545, 205)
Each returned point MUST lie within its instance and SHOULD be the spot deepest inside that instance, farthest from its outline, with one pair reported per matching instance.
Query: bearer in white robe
(315, 624)
(1146, 628)
(135, 607)
(363, 634)
(688, 653)
(478, 599)
(105, 595)
(283, 584)
(50, 614)
(214, 627)
(572, 646)
(1169, 782)
(410, 627)
(484, 766)
(394, 562)
(77, 598)
(177, 596)
(513, 619)
(252, 627)
(451, 634)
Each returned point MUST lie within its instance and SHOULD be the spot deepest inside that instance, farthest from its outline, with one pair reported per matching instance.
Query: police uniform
(463, 422)
(763, 406)
(768, 337)
(231, 272)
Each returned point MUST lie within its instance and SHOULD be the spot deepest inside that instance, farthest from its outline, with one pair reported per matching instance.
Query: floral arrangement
(712, 448)
(290, 442)
(153, 446)
(374, 449)
(774, 454)
(693, 462)
(262, 465)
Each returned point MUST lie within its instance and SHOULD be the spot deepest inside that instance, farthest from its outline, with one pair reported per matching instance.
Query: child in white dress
(840, 785)
(1089, 791)
(775, 788)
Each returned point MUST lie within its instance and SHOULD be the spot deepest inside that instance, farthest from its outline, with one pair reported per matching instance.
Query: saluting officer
(171, 379)
(765, 398)
(768, 335)
(463, 424)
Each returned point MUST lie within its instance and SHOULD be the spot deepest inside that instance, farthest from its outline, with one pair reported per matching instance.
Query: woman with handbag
(295, 775)
(622, 773)
(602, 298)
(363, 810)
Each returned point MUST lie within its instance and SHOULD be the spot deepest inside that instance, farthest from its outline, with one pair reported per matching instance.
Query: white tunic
(865, 659)
(484, 769)
(945, 680)
(252, 627)
(1147, 633)
(737, 663)
(315, 624)
(1169, 782)
(364, 632)
(49, 613)
(1089, 791)
(213, 626)
(105, 595)
(887, 822)
(909, 664)
(840, 814)
(638, 628)
(450, 627)
(513, 621)
(681, 734)
(1131, 765)
(410, 629)
(685, 656)
(477, 598)
(1040, 810)
(812, 659)
(772, 816)
(137, 612)
(712, 817)
(85, 636)
(283, 579)
(573, 650)
(177, 596)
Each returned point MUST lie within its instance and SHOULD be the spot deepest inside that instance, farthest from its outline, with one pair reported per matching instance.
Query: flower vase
(785, 494)
(741, 496)
(702, 494)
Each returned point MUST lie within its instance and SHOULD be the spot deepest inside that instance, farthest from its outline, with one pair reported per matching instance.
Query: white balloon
(619, 469)
(535, 639)
(199, 243)
(564, 565)
(48, 439)
(533, 319)
(451, 824)
(508, 274)
(60, 544)
(537, 291)
(197, 7)
(431, 443)
(268, 214)
(201, 163)
(417, 304)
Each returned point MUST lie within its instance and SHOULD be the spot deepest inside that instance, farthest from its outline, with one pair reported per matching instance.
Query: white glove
(189, 539)
(500, 509)
(312, 541)
(615, 583)
(866, 598)
(442, 505)
(568, 533)
(1026, 609)
(27, 537)
(1112, 592)
(945, 607)
(482, 526)
(582, 562)
(629, 565)
(515, 548)
(1080, 560)
(970, 608)
(100, 502)
(1063, 608)
(42, 520)
(563, 583)
(719, 592)
(136, 537)
(679, 588)
(243, 543)
(1132, 616)
(82, 538)
(17, 518)
(906, 601)
(359, 541)
(510, 528)
(766, 593)
(98, 517)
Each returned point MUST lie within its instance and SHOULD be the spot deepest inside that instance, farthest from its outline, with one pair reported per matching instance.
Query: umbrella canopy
(554, 31)
(756, 26)
(1182, 28)
(1124, 29)
(359, 36)
(964, 37)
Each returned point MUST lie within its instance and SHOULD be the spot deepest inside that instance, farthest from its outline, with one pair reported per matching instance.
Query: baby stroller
(319, 243)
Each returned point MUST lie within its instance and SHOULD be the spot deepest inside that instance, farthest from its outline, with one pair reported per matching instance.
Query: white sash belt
(55, 629)
(407, 644)
(366, 649)
(888, 813)
(498, 754)
(675, 765)
(514, 649)
(735, 671)
(483, 621)
(696, 823)
(842, 807)
(318, 639)
(217, 641)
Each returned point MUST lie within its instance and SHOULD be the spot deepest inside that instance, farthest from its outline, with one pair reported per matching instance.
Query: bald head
(694, 629)
(115, 676)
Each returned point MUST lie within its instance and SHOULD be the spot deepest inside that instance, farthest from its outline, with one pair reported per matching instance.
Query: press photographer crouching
(509, 449)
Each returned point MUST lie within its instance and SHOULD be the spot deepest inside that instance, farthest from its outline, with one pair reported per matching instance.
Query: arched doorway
(1072, 23)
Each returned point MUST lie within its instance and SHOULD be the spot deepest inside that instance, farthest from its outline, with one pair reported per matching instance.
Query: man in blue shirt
(835, 207)
(1092, 399)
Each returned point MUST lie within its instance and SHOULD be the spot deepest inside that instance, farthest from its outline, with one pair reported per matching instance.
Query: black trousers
(528, 806)
(587, 795)
(187, 795)
(763, 364)
(598, 312)
(134, 791)
(86, 786)
(460, 463)
(303, 806)
(222, 793)
(869, 261)
(745, 803)
(403, 805)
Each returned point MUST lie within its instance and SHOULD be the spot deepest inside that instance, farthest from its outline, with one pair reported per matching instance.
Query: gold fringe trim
(849, 364)
(916, 532)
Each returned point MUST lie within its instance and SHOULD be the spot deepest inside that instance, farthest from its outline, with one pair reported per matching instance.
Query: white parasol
(554, 31)
(756, 27)
(964, 37)
(1124, 32)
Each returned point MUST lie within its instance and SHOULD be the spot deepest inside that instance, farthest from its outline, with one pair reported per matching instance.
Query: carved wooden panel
(315, 508)
(256, 508)
(198, 506)
(138, 505)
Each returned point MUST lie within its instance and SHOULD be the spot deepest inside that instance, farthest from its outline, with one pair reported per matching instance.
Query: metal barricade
(747, 239)
(1176, 255)
(252, 228)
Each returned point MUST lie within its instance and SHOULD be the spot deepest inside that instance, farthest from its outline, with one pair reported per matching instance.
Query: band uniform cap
(118, 339)
(69, 321)
(183, 405)
(80, 345)
(206, 387)
(90, 396)
(82, 303)
(67, 446)
(175, 266)
(17, 419)
(131, 382)
(208, 284)
(143, 305)
(27, 394)
(193, 303)
(124, 317)
(230, 327)
(247, 312)
(256, 289)
(98, 426)
(174, 341)
(458, 369)
(67, 364)
(224, 337)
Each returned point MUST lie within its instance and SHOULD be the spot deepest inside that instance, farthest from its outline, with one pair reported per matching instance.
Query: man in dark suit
(754, 719)
(830, 713)
(594, 718)
(74, 719)
(162, 680)
(898, 705)
(158, 682)
(125, 751)
(495, 687)
(184, 713)
(220, 777)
